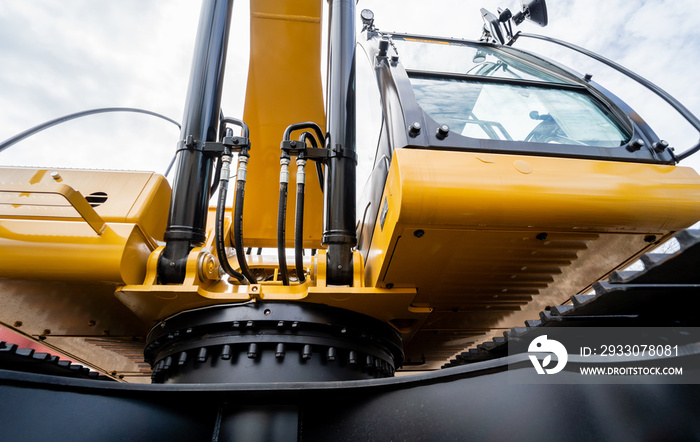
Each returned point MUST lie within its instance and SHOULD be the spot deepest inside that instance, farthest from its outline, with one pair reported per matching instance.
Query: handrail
(685, 113)
(74, 197)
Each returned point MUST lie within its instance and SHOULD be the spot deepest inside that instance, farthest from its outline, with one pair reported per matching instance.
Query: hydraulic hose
(220, 214)
(299, 221)
(216, 178)
(238, 214)
(243, 157)
(306, 125)
(319, 172)
(282, 218)
(282, 207)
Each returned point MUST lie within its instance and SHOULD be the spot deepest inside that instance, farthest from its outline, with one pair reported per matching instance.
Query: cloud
(62, 57)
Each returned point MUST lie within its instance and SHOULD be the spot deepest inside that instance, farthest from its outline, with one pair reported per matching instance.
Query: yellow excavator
(499, 188)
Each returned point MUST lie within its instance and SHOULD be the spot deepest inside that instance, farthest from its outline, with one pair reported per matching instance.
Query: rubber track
(27, 360)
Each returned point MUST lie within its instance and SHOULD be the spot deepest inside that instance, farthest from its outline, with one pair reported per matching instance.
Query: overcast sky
(59, 57)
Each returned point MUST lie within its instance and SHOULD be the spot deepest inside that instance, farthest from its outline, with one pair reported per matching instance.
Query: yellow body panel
(48, 230)
(61, 259)
(479, 192)
(284, 87)
(153, 302)
(481, 236)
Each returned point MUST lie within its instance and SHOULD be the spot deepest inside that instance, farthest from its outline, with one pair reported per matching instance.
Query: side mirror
(534, 11)
(492, 26)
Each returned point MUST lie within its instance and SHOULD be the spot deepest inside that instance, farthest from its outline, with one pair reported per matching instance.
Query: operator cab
(499, 179)
(444, 94)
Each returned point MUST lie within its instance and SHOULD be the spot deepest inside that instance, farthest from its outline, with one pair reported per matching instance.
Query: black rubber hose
(219, 234)
(217, 177)
(319, 172)
(238, 231)
(281, 224)
(299, 234)
(306, 125)
(38, 128)
(308, 136)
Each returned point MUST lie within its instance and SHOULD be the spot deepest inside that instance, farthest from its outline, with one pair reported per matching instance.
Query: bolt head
(414, 129)
(442, 131)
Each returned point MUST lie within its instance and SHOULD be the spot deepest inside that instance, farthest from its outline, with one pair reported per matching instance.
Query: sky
(62, 57)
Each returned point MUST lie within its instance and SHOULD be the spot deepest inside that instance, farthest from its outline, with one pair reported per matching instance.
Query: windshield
(481, 92)
(462, 58)
(517, 112)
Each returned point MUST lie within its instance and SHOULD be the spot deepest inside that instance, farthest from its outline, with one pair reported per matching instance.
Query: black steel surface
(271, 341)
(190, 197)
(339, 190)
(480, 401)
